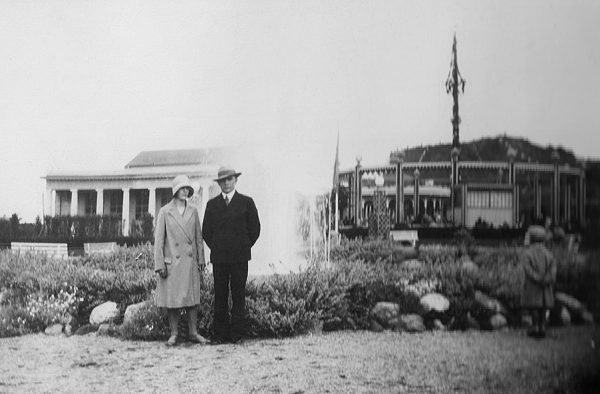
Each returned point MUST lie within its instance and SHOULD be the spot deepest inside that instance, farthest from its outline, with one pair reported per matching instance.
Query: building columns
(53, 202)
(125, 212)
(74, 202)
(416, 192)
(99, 201)
(152, 202)
(357, 193)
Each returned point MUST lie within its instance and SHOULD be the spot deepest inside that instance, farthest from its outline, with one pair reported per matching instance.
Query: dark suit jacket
(230, 230)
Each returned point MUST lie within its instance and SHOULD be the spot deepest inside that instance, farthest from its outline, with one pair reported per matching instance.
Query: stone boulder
(587, 317)
(87, 329)
(568, 301)
(435, 302)
(385, 313)
(104, 313)
(55, 329)
(565, 316)
(133, 309)
(375, 326)
(438, 325)
(103, 329)
(489, 303)
(498, 321)
(410, 323)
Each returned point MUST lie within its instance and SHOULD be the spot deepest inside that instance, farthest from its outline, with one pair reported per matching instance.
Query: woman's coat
(539, 269)
(178, 246)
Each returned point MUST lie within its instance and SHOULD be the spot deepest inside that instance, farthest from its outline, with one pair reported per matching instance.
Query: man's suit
(230, 231)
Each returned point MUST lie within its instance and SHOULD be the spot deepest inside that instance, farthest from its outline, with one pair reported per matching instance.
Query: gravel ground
(441, 362)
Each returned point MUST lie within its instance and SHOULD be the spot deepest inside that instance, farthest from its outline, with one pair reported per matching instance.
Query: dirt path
(505, 361)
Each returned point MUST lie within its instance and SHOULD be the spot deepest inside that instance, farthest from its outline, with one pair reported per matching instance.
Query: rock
(68, 330)
(385, 313)
(572, 303)
(103, 329)
(88, 328)
(498, 321)
(132, 310)
(411, 323)
(104, 313)
(435, 302)
(565, 316)
(375, 326)
(489, 303)
(411, 265)
(55, 329)
(587, 317)
(438, 325)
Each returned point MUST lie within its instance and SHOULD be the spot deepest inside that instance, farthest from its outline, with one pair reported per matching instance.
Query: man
(230, 228)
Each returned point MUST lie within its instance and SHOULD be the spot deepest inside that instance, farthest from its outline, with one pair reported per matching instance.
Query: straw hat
(225, 172)
(182, 181)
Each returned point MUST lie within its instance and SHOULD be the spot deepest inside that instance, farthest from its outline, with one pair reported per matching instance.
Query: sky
(86, 85)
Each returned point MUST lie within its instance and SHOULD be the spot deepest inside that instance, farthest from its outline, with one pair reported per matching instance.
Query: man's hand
(162, 273)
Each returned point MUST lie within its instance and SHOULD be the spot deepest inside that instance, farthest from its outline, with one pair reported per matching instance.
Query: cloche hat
(182, 181)
(225, 172)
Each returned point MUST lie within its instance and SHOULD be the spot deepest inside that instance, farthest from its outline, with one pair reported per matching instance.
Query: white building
(144, 185)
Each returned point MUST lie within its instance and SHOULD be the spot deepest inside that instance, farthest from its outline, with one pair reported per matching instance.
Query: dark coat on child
(539, 268)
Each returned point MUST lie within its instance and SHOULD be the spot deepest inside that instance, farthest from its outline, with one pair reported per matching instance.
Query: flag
(336, 164)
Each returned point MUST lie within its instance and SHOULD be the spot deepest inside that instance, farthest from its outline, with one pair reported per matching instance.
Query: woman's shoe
(172, 340)
(197, 338)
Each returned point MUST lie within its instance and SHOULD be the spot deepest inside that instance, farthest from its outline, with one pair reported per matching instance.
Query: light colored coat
(178, 246)
(539, 268)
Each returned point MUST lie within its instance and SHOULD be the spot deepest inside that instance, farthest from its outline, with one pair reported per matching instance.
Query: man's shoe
(172, 340)
(197, 338)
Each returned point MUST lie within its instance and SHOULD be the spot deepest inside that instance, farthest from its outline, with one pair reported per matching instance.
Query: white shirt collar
(229, 195)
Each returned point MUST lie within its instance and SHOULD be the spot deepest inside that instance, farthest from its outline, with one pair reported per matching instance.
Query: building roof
(178, 157)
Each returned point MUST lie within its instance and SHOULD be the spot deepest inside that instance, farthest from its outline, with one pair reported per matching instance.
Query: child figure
(539, 268)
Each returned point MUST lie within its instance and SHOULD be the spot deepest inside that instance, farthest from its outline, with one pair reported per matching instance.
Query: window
(141, 203)
(90, 204)
(116, 202)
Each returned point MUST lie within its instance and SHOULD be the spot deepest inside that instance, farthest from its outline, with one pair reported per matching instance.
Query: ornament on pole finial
(453, 82)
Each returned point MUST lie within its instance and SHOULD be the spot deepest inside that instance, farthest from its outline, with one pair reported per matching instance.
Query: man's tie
(227, 200)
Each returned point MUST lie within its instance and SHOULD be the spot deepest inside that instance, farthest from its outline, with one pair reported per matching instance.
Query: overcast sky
(86, 85)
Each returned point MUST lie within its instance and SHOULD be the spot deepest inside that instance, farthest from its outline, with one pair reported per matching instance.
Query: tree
(14, 225)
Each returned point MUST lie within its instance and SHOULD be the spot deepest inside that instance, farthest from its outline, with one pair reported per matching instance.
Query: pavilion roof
(177, 157)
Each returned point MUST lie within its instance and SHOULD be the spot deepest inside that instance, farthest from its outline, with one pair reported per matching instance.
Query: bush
(38, 291)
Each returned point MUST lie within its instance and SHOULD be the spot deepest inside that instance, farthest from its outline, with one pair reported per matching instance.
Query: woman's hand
(162, 273)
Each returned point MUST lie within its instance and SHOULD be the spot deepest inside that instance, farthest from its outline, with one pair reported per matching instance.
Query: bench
(408, 238)
(99, 248)
(50, 249)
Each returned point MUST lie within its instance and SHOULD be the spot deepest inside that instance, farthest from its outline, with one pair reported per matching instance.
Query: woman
(178, 259)
(539, 268)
